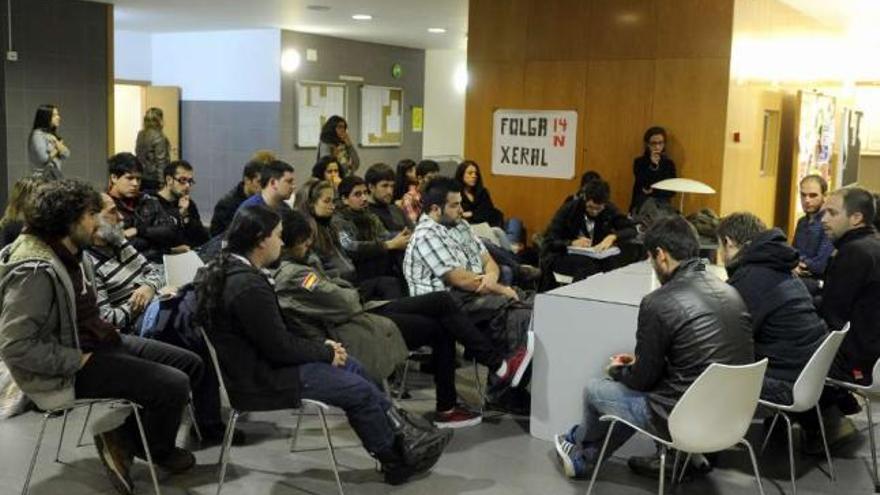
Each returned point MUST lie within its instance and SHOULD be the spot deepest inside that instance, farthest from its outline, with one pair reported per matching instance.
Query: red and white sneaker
(519, 361)
(458, 417)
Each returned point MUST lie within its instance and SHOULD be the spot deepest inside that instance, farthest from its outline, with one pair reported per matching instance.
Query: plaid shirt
(435, 250)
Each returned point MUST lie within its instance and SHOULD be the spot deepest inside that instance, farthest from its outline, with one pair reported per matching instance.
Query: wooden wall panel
(690, 101)
(619, 98)
(622, 29)
(556, 30)
(694, 28)
(497, 30)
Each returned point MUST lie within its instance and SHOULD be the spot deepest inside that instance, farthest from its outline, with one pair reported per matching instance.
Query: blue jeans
(350, 389)
(605, 396)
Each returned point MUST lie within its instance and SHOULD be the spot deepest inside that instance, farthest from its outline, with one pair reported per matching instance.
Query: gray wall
(62, 50)
(218, 138)
(372, 62)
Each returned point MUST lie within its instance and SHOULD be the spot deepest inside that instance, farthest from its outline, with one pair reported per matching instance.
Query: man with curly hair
(58, 348)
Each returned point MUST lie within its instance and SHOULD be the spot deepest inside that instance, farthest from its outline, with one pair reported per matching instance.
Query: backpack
(170, 320)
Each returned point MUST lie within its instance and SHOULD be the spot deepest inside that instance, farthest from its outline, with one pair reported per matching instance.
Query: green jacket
(39, 342)
(317, 307)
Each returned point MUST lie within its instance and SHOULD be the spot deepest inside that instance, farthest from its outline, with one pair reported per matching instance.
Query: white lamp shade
(683, 186)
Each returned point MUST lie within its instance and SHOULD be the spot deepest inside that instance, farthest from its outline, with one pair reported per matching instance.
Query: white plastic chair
(805, 396)
(76, 405)
(713, 414)
(180, 269)
(234, 414)
(866, 392)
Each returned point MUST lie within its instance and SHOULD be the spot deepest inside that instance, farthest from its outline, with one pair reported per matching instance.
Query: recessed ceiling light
(319, 8)
(437, 30)
(362, 17)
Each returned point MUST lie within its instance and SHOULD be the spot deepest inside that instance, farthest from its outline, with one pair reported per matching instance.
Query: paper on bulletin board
(417, 116)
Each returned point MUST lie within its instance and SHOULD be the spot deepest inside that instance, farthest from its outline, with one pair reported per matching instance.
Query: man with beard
(125, 281)
(58, 349)
(380, 181)
(693, 320)
(810, 240)
(180, 208)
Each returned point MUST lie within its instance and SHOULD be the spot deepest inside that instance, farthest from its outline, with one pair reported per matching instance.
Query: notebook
(592, 253)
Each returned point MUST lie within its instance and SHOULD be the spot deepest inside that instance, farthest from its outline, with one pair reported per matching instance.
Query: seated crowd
(324, 292)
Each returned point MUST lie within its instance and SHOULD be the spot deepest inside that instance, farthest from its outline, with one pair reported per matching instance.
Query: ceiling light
(362, 17)
(290, 60)
(437, 30)
(318, 8)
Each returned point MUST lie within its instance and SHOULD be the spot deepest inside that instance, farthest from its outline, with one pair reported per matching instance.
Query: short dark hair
(252, 169)
(58, 205)
(379, 172)
(437, 190)
(274, 170)
(426, 167)
(590, 175)
(347, 185)
(124, 163)
(674, 235)
(823, 184)
(741, 228)
(858, 200)
(296, 227)
(170, 170)
(598, 191)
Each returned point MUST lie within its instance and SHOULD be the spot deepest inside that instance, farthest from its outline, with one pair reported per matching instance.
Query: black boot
(418, 446)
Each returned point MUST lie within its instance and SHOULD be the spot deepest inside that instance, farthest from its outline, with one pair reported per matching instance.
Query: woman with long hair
(475, 199)
(326, 168)
(319, 204)
(404, 179)
(651, 167)
(46, 149)
(12, 222)
(266, 367)
(153, 150)
(336, 142)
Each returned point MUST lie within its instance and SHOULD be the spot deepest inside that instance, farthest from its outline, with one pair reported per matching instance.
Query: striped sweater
(119, 271)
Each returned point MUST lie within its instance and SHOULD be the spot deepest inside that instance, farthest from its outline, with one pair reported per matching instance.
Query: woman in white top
(46, 149)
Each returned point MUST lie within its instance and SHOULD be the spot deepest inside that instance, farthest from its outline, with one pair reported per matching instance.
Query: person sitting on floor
(693, 320)
(58, 349)
(228, 204)
(267, 367)
(321, 307)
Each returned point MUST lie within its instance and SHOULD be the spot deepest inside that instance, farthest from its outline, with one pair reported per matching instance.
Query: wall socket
(12, 56)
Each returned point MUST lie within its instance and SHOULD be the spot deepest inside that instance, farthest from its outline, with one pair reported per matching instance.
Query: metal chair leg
(601, 456)
(769, 432)
(478, 384)
(27, 480)
(333, 463)
(137, 418)
(687, 462)
(401, 387)
(871, 437)
(675, 467)
(825, 442)
(295, 434)
(61, 436)
(191, 408)
(79, 442)
(662, 469)
(227, 446)
(754, 465)
(791, 466)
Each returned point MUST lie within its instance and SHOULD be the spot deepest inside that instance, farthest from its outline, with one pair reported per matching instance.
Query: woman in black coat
(650, 168)
(475, 199)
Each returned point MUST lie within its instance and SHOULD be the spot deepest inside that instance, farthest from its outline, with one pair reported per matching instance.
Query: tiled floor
(497, 457)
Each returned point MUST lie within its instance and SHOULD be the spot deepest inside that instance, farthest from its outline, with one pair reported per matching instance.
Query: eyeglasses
(185, 180)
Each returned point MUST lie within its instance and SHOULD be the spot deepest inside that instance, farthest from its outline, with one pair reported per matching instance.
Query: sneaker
(519, 361)
(457, 417)
(177, 461)
(573, 462)
(117, 459)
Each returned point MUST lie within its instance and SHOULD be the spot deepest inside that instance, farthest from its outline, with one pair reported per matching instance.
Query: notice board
(381, 116)
(316, 102)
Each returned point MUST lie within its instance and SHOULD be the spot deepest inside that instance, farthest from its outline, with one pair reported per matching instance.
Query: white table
(577, 328)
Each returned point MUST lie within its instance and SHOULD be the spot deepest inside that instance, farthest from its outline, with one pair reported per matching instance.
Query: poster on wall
(534, 143)
(815, 135)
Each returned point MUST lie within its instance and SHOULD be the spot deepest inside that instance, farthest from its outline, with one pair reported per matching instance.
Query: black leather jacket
(692, 321)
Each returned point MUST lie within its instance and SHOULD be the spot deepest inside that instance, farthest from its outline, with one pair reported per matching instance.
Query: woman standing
(46, 149)
(650, 168)
(153, 150)
(335, 142)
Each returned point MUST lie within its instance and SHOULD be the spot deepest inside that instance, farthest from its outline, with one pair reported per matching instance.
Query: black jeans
(437, 320)
(153, 374)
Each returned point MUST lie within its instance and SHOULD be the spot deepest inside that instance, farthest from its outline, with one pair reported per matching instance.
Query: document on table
(592, 253)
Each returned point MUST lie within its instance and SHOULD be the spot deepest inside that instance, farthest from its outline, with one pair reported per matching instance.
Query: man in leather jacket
(693, 320)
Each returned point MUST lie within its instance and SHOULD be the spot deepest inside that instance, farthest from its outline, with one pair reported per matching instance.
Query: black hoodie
(787, 328)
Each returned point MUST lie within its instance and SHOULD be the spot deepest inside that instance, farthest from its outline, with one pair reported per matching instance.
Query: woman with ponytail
(265, 367)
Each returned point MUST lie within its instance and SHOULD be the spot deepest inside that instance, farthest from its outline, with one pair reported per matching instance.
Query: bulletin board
(381, 116)
(316, 102)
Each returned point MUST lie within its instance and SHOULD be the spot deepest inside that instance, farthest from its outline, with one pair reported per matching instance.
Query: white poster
(534, 143)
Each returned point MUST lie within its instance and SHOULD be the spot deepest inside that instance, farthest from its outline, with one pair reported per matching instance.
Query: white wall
(443, 133)
(220, 65)
(132, 55)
